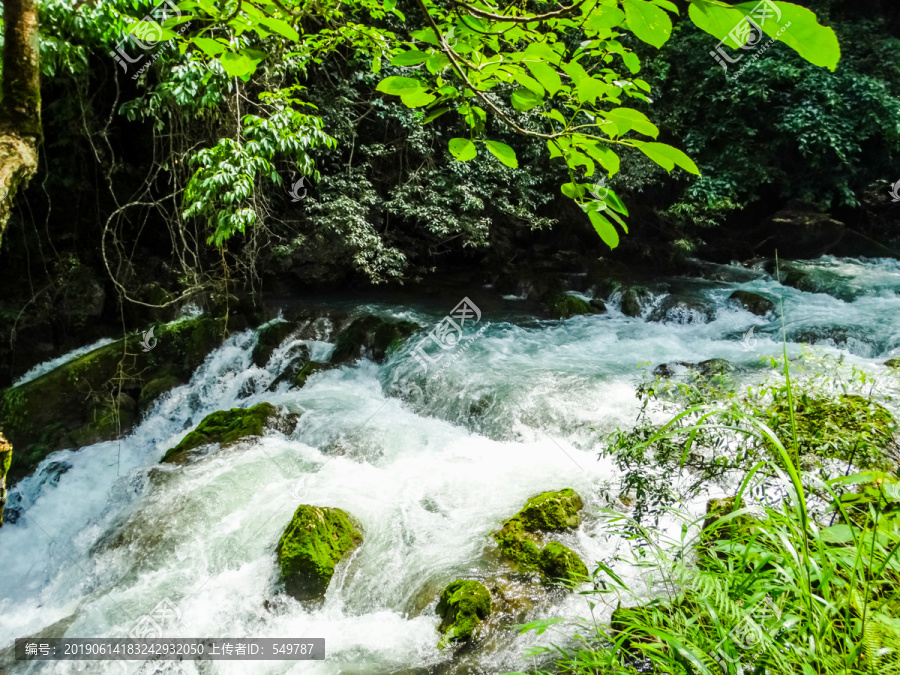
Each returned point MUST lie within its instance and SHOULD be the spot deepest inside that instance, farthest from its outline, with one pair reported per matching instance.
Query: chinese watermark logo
(895, 192)
(146, 35)
(165, 615)
(750, 634)
(748, 33)
(749, 341)
(449, 332)
(148, 342)
(294, 192)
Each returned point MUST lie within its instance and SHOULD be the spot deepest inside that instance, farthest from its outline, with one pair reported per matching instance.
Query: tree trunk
(5, 460)
(20, 109)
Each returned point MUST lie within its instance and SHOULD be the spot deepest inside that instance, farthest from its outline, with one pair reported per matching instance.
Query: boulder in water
(798, 232)
(566, 306)
(309, 368)
(682, 310)
(314, 542)
(753, 302)
(892, 363)
(632, 299)
(227, 427)
(370, 336)
(463, 605)
(156, 388)
(560, 563)
(520, 538)
(709, 368)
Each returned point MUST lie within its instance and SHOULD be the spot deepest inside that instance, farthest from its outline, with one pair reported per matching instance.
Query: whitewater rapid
(430, 466)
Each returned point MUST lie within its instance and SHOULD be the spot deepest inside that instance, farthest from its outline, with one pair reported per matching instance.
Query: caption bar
(171, 649)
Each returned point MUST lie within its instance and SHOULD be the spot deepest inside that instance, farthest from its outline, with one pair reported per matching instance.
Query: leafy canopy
(563, 76)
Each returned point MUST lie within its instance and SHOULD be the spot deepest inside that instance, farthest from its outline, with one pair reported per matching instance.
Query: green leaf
(802, 33)
(716, 20)
(239, 64)
(417, 99)
(648, 22)
(627, 119)
(667, 156)
(411, 58)
(389, 5)
(280, 27)
(210, 47)
(605, 229)
(503, 152)
(400, 86)
(604, 18)
(435, 114)
(522, 99)
(545, 74)
(608, 159)
(632, 62)
(462, 149)
(437, 62)
(838, 534)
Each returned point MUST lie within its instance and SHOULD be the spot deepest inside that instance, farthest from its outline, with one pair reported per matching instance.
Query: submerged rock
(313, 543)
(370, 336)
(520, 538)
(753, 302)
(709, 368)
(464, 604)
(230, 426)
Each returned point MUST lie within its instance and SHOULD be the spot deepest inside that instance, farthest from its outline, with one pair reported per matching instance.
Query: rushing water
(429, 464)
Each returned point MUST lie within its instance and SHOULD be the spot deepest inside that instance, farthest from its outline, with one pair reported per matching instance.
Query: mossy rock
(314, 542)
(562, 564)
(309, 368)
(5, 462)
(230, 426)
(709, 368)
(520, 537)
(372, 337)
(893, 363)
(156, 388)
(566, 306)
(753, 302)
(632, 298)
(463, 605)
(88, 399)
(270, 337)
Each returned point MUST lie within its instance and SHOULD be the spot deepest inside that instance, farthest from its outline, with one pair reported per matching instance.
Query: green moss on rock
(308, 369)
(226, 427)
(89, 399)
(520, 538)
(560, 563)
(463, 605)
(5, 462)
(566, 306)
(314, 542)
(156, 388)
(270, 337)
(892, 363)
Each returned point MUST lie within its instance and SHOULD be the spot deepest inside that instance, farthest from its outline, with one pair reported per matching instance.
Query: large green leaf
(241, 64)
(716, 20)
(280, 27)
(545, 75)
(605, 229)
(802, 32)
(627, 119)
(503, 152)
(667, 156)
(462, 149)
(411, 58)
(400, 86)
(417, 99)
(522, 99)
(648, 22)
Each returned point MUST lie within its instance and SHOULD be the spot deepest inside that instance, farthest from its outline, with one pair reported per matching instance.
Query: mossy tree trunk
(20, 109)
(5, 460)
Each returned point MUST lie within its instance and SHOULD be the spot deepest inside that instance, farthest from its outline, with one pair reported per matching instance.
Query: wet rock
(156, 388)
(632, 299)
(680, 310)
(463, 605)
(566, 306)
(753, 302)
(372, 337)
(227, 427)
(308, 369)
(560, 563)
(270, 337)
(5, 461)
(520, 537)
(856, 339)
(314, 542)
(709, 368)
(294, 362)
(892, 363)
(90, 399)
